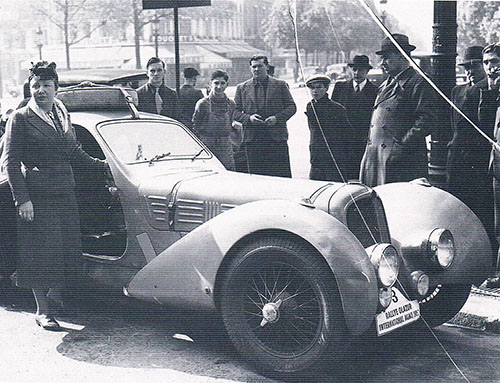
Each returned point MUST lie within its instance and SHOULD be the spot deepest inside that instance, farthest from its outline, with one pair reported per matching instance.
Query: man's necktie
(158, 101)
(356, 88)
(260, 96)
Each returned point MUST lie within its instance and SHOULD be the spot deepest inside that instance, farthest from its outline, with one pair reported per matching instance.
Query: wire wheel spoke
(287, 290)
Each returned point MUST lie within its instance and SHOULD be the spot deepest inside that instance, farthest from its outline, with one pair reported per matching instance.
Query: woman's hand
(26, 211)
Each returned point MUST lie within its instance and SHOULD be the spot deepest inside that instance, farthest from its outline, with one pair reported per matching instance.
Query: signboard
(400, 312)
(159, 4)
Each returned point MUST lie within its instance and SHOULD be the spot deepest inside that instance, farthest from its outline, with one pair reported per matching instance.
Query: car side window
(88, 142)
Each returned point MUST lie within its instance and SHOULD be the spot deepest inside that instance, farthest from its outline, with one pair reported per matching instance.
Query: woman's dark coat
(39, 163)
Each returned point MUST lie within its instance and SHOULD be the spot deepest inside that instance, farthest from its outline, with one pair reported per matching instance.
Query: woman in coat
(40, 153)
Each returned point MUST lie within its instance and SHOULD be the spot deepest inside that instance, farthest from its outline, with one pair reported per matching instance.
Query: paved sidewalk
(481, 311)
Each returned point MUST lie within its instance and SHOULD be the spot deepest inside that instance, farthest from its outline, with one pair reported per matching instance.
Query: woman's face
(43, 91)
(218, 85)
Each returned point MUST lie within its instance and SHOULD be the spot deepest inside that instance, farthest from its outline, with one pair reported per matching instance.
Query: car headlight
(441, 247)
(420, 282)
(385, 260)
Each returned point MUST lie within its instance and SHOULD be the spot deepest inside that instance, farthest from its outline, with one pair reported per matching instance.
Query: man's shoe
(493, 282)
(47, 322)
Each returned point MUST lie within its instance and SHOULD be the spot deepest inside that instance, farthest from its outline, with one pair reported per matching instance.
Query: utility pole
(444, 49)
(175, 4)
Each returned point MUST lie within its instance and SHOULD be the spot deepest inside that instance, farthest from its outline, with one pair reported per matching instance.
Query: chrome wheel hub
(271, 313)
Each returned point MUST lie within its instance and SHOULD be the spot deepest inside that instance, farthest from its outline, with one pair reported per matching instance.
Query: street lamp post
(156, 31)
(39, 42)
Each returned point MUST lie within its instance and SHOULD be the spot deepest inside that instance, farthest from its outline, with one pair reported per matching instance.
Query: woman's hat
(360, 61)
(387, 46)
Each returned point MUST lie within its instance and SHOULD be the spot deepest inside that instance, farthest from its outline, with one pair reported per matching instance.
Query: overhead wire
(423, 74)
(436, 88)
(293, 16)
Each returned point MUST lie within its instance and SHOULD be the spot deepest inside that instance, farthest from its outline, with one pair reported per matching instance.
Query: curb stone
(481, 311)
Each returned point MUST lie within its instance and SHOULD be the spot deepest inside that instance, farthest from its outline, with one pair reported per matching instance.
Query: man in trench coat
(404, 114)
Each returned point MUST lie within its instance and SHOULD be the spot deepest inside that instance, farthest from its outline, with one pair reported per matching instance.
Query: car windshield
(149, 141)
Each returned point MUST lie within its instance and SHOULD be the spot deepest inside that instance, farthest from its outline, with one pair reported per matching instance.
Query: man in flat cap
(357, 95)
(331, 134)
(404, 114)
(189, 96)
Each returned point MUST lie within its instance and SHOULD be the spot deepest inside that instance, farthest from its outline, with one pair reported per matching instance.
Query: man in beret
(331, 134)
(189, 96)
(357, 95)
(404, 114)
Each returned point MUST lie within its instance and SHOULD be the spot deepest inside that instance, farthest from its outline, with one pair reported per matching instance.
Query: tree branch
(87, 35)
(49, 17)
(78, 9)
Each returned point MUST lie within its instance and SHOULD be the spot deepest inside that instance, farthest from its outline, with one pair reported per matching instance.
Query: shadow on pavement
(112, 330)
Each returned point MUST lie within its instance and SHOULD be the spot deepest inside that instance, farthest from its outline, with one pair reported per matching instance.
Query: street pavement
(481, 311)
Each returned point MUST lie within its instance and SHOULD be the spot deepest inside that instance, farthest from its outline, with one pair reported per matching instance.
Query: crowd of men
(374, 134)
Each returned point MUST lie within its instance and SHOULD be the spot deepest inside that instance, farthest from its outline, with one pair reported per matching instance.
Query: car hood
(199, 196)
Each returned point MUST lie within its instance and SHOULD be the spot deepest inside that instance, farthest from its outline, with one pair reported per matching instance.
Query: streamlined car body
(295, 267)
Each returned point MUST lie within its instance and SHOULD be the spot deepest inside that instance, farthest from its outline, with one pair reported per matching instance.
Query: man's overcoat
(404, 114)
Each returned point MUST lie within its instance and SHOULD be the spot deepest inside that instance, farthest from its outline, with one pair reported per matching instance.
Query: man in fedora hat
(331, 134)
(403, 115)
(473, 65)
(468, 175)
(481, 104)
(357, 95)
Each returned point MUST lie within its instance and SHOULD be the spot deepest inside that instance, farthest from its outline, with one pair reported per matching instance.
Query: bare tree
(69, 16)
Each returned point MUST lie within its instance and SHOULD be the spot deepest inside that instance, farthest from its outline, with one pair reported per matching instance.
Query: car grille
(366, 220)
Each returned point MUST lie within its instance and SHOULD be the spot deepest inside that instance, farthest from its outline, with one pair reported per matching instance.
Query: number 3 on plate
(394, 297)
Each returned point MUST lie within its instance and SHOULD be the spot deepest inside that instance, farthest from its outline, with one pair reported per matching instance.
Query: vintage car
(296, 268)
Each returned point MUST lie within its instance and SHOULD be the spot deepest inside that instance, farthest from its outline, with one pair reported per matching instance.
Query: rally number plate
(400, 312)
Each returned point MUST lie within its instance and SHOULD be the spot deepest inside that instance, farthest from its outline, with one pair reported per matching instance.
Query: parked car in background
(308, 72)
(128, 78)
(296, 268)
(376, 76)
(337, 71)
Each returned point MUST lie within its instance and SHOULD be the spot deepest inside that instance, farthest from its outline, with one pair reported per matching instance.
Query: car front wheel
(443, 303)
(281, 307)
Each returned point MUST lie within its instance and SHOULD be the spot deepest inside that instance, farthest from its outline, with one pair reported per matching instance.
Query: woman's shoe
(47, 322)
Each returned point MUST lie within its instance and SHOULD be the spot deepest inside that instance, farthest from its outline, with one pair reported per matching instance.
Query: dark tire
(443, 303)
(309, 322)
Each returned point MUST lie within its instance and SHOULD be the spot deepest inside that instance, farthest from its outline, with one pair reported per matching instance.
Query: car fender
(413, 210)
(185, 273)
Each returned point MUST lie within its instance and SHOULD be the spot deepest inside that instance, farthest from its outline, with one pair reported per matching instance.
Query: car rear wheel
(443, 303)
(281, 307)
